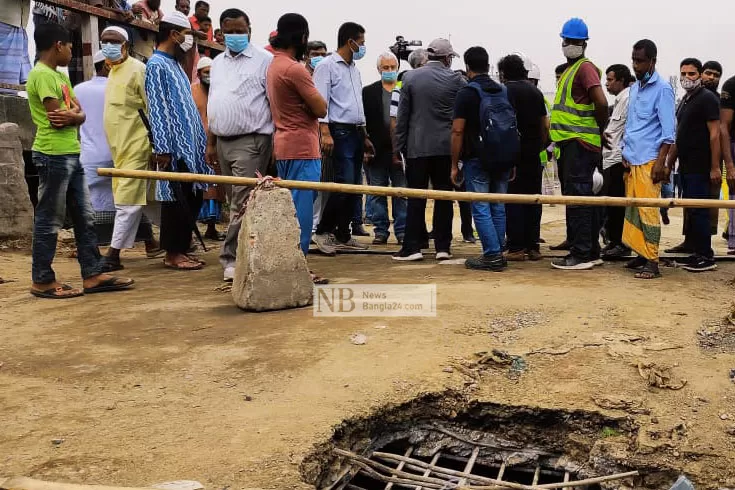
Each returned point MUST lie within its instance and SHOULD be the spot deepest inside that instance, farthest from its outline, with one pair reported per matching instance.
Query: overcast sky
(530, 26)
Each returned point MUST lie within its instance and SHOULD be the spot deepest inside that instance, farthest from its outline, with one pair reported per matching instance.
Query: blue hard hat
(575, 28)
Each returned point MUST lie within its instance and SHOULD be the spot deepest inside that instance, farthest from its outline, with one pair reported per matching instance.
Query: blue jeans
(347, 163)
(383, 173)
(61, 186)
(303, 200)
(489, 217)
(697, 186)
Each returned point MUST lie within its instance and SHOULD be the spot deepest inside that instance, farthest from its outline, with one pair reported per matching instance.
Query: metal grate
(385, 470)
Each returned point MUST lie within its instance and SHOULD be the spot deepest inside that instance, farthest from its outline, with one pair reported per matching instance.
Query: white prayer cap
(177, 18)
(98, 57)
(204, 62)
(117, 29)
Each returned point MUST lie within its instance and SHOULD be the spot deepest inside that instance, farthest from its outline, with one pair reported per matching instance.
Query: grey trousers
(241, 157)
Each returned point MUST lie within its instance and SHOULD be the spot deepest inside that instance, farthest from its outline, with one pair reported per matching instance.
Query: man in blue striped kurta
(179, 141)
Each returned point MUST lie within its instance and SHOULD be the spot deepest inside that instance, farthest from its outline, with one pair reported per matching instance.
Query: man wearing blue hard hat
(578, 120)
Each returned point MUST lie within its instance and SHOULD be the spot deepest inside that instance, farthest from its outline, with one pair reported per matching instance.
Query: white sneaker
(598, 262)
(325, 243)
(404, 257)
(229, 275)
(443, 256)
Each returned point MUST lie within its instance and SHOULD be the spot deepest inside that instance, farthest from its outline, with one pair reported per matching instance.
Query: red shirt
(297, 129)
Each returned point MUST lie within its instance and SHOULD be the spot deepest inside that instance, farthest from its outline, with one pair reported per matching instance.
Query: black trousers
(614, 186)
(583, 225)
(523, 221)
(177, 223)
(698, 186)
(419, 172)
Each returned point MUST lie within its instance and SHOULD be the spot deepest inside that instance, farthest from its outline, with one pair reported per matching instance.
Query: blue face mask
(646, 77)
(112, 51)
(360, 54)
(237, 43)
(389, 76)
(315, 61)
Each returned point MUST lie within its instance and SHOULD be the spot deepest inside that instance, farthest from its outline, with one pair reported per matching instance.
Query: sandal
(636, 263)
(318, 280)
(195, 258)
(650, 271)
(154, 253)
(110, 285)
(181, 266)
(53, 293)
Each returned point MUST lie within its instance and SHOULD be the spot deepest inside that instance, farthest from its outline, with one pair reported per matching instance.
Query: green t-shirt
(45, 83)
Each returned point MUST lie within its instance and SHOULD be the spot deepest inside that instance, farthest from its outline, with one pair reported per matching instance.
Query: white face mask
(188, 43)
(690, 85)
(572, 51)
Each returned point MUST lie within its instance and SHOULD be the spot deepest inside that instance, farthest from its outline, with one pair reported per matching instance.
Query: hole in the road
(446, 442)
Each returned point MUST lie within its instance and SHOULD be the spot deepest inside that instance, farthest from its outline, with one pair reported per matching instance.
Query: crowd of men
(305, 110)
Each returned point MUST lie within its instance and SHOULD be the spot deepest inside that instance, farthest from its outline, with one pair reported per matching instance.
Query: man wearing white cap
(128, 139)
(179, 140)
(423, 133)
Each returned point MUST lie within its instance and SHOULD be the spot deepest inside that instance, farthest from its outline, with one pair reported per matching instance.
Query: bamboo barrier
(425, 193)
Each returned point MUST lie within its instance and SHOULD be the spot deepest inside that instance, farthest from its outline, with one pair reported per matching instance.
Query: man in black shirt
(699, 152)
(466, 146)
(711, 74)
(524, 220)
(727, 136)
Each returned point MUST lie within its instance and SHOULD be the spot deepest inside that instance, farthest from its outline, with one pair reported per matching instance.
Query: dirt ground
(171, 381)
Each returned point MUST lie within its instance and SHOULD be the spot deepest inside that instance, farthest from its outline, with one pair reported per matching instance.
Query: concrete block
(16, 210)
(15, 109)
(271, 271)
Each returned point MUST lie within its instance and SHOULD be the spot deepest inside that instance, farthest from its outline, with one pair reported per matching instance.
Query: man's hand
(63, 118)
(715, 176)
(457, 177)
(658, 173)
(730, 170)
(512, 176)
(163, 161)
(327, 143)
(211, 157)
(605, 141)
(369, 148)
(399, 162)
(137, 9)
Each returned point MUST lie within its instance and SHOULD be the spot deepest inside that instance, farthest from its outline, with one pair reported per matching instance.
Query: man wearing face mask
(172, 113)
(376, 99)
(128, 139)
(578, 119)
(315, 53)
(240, 136)
(343, 134)
(650, 130)
(423, 134)
(700, 155)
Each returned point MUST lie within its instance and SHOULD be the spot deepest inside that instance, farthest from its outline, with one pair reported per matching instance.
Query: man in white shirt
(619, 80)
(240, 136)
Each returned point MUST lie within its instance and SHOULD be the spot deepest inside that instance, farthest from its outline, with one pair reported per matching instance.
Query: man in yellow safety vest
(578, 118)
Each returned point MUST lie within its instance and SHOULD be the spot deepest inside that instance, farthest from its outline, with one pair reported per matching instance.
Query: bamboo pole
(425, 193)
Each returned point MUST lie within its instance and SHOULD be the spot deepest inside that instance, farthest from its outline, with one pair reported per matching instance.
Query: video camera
(402, 47)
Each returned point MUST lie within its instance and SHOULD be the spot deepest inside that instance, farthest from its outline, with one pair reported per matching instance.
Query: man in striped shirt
(240, 138)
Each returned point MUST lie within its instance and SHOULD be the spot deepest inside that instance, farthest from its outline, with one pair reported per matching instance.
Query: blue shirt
(176, 125)
(341, 86)
(651, 120)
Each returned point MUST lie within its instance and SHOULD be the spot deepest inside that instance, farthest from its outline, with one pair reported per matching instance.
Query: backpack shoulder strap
(476, 86)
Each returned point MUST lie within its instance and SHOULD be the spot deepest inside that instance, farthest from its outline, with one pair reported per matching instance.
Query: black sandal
(636, 263)
(53, 293)
(649, 271)
(109, 285)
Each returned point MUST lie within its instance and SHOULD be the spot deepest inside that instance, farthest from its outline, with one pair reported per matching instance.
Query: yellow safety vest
(570, 120)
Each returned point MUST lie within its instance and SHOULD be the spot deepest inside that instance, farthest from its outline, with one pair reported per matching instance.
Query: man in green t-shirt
(57, 116)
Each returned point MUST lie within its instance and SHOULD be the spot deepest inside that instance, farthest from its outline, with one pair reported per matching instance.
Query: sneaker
(616, 252)
(406, 256)
(565, 245)
(700, 264)
(493, 263)
(571, 263)
(598, 262)
(517, 256)
(350, 244)
(326, 243)
(469, 238)
(229, 274)
(682, 248)
(359, 230)
(534, 255)
(380, 240)
(443, 256)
